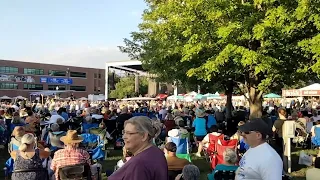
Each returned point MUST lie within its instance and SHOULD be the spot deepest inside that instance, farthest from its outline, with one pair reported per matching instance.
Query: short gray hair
(230, 156)
(191, 172)
(144, 124)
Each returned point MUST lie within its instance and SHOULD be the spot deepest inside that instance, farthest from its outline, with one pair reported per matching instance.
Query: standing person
(261, 161)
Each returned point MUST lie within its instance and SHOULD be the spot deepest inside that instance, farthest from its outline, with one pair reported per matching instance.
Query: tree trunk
(229, 91)
(255, 102)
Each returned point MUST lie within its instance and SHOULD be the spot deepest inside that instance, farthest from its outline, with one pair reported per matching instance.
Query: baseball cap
(256, 124)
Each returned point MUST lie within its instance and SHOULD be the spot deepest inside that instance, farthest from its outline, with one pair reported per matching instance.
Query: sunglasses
(248, 132)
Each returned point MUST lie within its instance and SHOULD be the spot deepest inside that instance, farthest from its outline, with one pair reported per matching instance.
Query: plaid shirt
(68, 156)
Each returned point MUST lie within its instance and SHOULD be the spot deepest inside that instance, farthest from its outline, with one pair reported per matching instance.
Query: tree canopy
(125, 87)
(260, 44)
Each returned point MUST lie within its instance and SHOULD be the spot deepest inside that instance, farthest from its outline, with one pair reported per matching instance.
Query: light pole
(57, 89)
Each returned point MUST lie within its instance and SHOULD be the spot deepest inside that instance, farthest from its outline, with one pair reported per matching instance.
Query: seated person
(71, 154)
(169, 122)
(214, 131)
(16, 119)
(54, 136)
(230, 158)
(16, 136)
(189, 172)
(174, 163)
(243, 147)
(63, 126)
(179, 132)
(125, 158)
(27, 157)
(313, 173)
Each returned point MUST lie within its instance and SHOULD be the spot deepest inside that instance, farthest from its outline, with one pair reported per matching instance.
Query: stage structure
(134, 67)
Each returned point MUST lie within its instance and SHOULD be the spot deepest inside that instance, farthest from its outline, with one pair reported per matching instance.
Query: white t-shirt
(260, 163)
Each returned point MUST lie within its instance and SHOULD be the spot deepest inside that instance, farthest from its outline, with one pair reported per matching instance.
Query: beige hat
(71, 137)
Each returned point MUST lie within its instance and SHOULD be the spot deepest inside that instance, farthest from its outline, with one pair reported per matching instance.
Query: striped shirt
(68, 156)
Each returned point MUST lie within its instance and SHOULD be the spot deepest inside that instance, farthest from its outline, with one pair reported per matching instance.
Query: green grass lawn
(297, 174)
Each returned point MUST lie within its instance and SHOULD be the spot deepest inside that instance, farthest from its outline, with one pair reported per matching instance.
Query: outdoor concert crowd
(63, 139)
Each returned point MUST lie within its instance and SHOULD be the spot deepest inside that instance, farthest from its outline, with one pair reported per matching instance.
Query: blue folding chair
(94, 145)
(182, 147)
(85, 127)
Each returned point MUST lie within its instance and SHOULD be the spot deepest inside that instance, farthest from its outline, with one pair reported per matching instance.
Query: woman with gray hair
(148, 161)
(189, 172)
(230, 159)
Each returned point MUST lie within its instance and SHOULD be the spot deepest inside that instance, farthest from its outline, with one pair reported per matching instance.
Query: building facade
(22, 78)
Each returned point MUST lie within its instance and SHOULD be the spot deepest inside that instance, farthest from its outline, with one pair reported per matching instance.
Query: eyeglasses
(130, 133)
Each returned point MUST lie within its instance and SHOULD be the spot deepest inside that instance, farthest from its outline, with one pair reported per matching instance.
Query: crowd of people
(158, 138)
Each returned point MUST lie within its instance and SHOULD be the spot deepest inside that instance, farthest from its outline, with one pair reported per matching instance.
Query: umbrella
(162, 96)
(5, 97)
(20, 97)
(199, 96)
(272, 95)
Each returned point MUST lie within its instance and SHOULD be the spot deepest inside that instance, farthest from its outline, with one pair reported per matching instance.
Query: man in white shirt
(261, 161)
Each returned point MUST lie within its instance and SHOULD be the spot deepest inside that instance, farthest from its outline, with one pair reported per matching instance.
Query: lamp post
(68, 76)
(57, 89)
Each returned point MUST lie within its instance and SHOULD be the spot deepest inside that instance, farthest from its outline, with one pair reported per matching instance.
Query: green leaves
(126, 87)
(263, 43)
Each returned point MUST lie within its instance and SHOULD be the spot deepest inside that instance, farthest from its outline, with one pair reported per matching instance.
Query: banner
(55, 80)
(16, 78)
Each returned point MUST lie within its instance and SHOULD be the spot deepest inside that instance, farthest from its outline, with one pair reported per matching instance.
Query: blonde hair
(144, 124)
(26, 140)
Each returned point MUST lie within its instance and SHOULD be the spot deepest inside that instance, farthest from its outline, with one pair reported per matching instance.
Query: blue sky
(71, 32)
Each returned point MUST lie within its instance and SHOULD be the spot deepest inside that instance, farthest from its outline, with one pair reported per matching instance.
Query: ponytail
(23, 147)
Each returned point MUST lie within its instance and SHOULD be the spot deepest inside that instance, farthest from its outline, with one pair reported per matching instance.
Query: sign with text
(56, 80)
(310, 92)
(291, 92)
(16, 78)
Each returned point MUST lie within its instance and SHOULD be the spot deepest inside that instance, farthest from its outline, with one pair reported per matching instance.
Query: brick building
(22, 78)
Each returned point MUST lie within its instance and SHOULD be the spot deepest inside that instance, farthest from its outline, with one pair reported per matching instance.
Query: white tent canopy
(315, 86)
(5, 97)
(19, 97)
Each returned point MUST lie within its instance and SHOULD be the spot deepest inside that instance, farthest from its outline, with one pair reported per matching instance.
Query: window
(57, 73)
(33, 86)
(8, 86)
(6, 69)
(78, 88)
(78, 74)
(95, 75)
(33, 71)
(54, 87)
(99, 76)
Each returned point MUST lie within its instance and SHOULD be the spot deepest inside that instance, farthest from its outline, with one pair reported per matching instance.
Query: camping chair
(92, 144)
(315, 141)
(53, 140)
(182, 147)
(86, 126)
(173, 174)
(222, 175)
(78, 171)
(45, 171)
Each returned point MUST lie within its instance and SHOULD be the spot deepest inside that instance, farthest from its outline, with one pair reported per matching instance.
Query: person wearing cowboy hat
(71, 154)
(200, 125)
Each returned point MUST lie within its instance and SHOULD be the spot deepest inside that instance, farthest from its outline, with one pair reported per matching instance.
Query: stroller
(217, 145)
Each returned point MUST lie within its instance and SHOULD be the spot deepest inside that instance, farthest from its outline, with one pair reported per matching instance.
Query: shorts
(200, 138)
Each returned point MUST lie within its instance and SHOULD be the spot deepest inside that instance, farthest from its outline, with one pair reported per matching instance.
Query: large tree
(126, 87)
(260, 44)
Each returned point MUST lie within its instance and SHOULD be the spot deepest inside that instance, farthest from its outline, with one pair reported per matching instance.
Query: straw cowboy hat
(71, 137)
